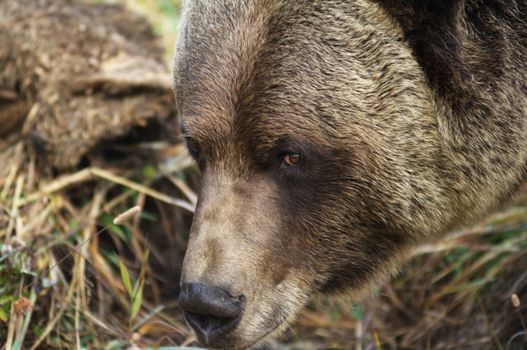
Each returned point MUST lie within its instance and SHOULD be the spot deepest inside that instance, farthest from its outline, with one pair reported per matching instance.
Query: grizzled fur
(410, 115)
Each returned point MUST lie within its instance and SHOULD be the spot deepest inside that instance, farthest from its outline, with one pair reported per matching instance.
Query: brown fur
(411, 116)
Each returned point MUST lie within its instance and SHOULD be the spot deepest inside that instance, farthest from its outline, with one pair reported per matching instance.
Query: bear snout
(211, 311)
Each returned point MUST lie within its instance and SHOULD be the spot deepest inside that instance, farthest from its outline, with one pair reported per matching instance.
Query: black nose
(211, 311)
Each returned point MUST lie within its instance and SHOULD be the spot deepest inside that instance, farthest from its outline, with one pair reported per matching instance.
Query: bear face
(324, 158)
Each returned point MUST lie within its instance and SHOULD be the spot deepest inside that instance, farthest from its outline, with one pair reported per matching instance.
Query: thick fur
(411, 117)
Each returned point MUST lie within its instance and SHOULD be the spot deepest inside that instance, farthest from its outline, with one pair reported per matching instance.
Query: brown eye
(291, 159)
(193, 148)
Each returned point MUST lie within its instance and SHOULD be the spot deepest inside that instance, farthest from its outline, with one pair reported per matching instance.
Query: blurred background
(87, 131)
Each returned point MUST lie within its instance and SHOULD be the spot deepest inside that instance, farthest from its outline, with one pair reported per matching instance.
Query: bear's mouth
(260, 339)
(281, 319)
(220, 325)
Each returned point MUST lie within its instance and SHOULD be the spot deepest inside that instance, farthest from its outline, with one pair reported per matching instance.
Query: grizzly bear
(332, 137)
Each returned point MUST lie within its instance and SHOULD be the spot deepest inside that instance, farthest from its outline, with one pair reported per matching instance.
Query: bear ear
(414, 14)
(432, 28)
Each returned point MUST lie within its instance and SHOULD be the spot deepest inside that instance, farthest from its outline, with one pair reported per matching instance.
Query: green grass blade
(138, 300)
(125, 277)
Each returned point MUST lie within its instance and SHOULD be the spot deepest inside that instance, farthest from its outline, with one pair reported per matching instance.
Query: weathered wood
(74, 73)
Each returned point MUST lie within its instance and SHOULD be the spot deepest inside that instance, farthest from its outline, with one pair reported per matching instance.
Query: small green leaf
(120, 231)
(115, 345)
(125, 277)
(150, 172)
(110, 256)
(135, 290)
(74, 225)
(141, 280)
(37, 330)
(6, 299)
(4, 314)
(138, 300)
(147, 216)
(145, 257)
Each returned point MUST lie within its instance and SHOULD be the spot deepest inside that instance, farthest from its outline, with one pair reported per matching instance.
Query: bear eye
(291, 159)
(193, 148)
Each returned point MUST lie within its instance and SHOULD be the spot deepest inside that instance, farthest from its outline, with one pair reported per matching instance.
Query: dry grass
(54, 267)
(72, 251)
(453, 294)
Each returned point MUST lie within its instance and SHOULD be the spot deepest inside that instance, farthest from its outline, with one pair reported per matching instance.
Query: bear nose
(211, 311)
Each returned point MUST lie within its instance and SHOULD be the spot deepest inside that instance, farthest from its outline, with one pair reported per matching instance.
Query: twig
(90, 173)
(9, 181)
(14, 208)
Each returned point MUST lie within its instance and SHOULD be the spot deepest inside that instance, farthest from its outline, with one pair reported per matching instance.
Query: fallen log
(73, 74)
